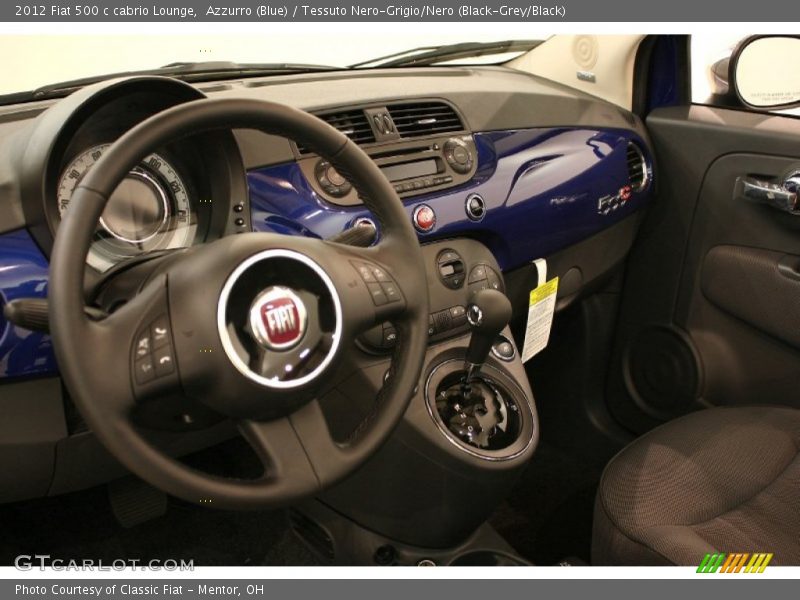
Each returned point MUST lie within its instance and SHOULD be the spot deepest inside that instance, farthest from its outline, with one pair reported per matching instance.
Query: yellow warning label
(543, 291)
(541, 308)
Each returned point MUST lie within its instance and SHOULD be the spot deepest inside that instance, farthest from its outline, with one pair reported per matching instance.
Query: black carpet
(81, 525)
(548, 516)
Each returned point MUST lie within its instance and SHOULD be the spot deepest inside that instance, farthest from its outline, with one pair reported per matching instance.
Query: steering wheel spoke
(281, 453)
(331, 460)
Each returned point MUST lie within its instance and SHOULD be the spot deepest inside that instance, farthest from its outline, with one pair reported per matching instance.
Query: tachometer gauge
(150, 209)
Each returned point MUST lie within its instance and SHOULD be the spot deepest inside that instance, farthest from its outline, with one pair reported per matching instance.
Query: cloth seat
(718, 480)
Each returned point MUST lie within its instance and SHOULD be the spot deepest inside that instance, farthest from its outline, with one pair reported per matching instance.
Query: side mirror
(765, 72)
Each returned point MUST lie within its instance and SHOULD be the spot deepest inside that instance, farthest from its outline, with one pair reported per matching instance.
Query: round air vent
(475, 207)
(637, 168)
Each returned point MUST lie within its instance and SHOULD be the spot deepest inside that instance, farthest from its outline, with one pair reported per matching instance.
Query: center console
(459, 449)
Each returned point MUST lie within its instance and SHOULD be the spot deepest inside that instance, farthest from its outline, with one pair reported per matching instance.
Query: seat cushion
(718, 480)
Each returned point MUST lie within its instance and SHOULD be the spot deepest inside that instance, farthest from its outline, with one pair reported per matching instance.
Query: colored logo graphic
(278, 318)
(738, 562)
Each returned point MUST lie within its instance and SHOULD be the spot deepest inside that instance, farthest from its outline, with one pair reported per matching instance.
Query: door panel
(711, 306)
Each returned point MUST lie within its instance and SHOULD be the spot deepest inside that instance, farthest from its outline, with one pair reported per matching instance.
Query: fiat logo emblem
(278, 318)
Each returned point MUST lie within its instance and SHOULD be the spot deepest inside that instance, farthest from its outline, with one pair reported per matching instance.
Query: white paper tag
(541, 308)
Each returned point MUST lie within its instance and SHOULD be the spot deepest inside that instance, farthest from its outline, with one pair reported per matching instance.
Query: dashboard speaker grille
(424, 118)
(637, 169)
(353, 123)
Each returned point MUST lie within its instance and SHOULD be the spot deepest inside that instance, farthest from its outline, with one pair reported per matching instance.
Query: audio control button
(143, 370)
(458, 156)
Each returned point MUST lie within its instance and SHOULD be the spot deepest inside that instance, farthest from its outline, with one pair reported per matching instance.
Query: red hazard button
(424, 218)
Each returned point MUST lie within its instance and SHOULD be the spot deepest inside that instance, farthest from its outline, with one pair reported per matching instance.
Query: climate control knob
(330, 180)
(458, 155)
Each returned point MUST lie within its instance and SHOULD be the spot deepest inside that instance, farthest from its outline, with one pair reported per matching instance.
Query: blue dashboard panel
(23, 274)
(543, 189)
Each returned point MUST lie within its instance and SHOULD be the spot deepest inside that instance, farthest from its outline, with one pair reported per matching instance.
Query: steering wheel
(248, 326)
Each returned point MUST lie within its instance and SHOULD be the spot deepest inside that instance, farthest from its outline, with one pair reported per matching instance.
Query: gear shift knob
(488, 312)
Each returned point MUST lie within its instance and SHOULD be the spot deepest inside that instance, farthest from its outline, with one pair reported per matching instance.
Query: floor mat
(548, 516)
(81, 525)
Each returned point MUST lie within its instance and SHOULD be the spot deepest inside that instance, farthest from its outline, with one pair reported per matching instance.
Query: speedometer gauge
(150, 209)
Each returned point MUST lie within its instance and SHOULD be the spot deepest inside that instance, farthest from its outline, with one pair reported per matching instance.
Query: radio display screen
(410, 170)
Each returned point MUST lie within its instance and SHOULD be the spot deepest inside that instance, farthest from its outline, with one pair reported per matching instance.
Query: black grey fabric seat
(719, 480)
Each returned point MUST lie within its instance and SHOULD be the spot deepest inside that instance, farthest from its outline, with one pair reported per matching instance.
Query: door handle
(781, 196)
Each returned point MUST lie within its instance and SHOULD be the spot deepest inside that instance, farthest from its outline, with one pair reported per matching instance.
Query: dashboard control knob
(331, 181)
(335, 177)
(458, 155)
(424, 218)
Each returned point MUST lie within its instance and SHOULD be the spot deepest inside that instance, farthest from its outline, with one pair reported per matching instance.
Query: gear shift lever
(477, 411)
(488, 312)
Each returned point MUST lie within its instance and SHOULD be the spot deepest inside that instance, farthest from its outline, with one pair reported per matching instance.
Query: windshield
(31, 62)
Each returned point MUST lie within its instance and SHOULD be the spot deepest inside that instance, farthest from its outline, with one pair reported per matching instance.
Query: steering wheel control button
(391, 291)
(424, 218)
(378, 295)
(153, 359)
(475, 207)
(451, 269)
(159, 332)
(278, 318)
(143, 345)
(144, 371)
(365, 272)
(381, 286)
(163, 362)
(380, 274)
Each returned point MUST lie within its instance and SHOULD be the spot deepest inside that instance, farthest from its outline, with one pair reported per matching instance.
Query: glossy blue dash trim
(23, 274)
(541, 188)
